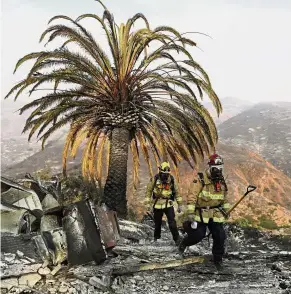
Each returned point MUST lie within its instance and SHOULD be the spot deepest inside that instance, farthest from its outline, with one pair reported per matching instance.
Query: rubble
(19, 254)
(16, 274)
(9, 283)
(29, 279)
(49, 203)
(105, 256)
(98, 283)
(82, 234)
(253, 274)
(41, 248)
(63, 289)
(15, 220)
(56, 269)
(16, 195)
(156, 266)
(9, 257)
(49, 223)
(18, 269)
(109, 226)
(89, 229)
(44, 271)
(135, 231)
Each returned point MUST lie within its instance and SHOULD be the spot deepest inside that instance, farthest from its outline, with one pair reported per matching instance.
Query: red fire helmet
(215, 159)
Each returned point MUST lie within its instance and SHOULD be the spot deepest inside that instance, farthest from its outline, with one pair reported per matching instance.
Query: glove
(179, 210)
(227, 216)
(224, 213)
(187, 226)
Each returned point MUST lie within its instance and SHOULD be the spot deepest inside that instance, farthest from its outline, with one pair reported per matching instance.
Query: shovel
(250, 189)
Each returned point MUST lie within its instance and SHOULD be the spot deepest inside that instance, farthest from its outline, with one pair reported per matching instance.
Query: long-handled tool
(250, 189)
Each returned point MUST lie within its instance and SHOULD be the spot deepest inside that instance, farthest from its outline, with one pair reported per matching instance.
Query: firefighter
(207, 207)
(161, 193)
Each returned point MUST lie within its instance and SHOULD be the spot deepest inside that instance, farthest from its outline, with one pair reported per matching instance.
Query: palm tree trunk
(115, 186)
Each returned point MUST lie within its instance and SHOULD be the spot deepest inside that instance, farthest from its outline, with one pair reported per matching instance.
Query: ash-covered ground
(256, 262)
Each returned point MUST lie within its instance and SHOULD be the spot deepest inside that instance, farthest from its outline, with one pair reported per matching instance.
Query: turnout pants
(158, 215)
(194, 236)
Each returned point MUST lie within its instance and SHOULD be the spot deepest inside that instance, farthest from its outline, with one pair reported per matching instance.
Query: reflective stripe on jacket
(205, 203)
(162, 193)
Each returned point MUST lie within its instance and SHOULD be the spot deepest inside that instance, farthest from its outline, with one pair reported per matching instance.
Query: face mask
(164, 177)
(216, 173)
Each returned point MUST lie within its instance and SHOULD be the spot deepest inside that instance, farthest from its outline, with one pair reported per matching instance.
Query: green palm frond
(154, 95)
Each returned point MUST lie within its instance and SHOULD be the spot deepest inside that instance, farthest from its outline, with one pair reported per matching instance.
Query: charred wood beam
(157, 266)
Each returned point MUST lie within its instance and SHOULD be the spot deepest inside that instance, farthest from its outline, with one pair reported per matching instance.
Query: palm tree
(139, 95)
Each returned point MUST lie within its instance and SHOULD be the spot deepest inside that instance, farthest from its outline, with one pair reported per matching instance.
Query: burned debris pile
(80, 247)
(47, 229)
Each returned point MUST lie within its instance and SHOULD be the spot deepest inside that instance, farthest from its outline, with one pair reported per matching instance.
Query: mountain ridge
(269, 203)
(266, 129)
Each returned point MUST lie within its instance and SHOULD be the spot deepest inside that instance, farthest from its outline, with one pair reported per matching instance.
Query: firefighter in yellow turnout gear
(161, 193)
(207, 207)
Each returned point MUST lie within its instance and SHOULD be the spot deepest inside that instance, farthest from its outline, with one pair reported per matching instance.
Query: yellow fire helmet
(165, 167)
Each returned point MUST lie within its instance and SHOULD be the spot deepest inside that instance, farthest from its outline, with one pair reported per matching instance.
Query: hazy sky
(248, 57)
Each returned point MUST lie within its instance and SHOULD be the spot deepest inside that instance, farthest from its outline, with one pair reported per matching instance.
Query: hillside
(231, 107)
(268, 206)
(15, 148)
(51, 156)
(265, 129)
(242, 167)
(14, 145)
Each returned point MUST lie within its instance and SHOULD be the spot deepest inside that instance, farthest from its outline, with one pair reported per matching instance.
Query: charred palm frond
(153, 93)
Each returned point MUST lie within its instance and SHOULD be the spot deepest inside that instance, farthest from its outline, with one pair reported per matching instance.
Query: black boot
(178, 240)
(217, 260)
(181, 246)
